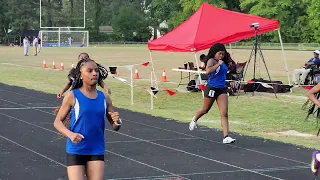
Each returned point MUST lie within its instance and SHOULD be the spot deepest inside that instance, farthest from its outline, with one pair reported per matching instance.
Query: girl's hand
(220, 62)
(59, 95)
(76, 137)
(115, 118)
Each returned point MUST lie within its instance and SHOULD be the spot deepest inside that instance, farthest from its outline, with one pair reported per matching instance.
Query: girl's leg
(95, 170)
(76, 172)
(35, 50)
(222, 102)
(207, 104)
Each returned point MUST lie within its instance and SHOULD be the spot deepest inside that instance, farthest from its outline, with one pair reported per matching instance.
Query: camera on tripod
(254, 25)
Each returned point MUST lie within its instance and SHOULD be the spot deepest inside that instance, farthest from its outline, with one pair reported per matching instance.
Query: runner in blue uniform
(315, 159)
(216, 68)
(88, 108)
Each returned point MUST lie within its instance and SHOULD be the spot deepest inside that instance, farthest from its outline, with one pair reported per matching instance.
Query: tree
(159, 11)
(314, 19)
(16, 10)
(290, 14)
(131, 24)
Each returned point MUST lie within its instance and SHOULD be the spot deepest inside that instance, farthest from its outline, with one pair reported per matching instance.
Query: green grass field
(261, 115)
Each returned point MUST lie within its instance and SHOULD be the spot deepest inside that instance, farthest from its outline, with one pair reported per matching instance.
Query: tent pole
(198, 69)
(284, 57)
(154, 74)
(231, 49)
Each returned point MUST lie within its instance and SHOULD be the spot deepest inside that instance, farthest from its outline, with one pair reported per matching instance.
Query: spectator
(302, 73)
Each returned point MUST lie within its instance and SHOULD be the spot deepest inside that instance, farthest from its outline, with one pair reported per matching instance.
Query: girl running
(88, 108)
(103, 75)
(315, 163)
(216, 68)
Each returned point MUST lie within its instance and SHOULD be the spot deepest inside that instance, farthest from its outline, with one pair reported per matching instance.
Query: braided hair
(103, 73)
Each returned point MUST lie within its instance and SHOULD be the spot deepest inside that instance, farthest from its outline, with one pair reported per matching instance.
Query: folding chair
(238, 76)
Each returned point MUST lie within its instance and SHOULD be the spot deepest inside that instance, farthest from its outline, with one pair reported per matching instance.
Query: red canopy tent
(209, 25)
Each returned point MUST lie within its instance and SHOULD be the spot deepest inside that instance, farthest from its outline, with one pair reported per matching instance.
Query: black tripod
(256, 49)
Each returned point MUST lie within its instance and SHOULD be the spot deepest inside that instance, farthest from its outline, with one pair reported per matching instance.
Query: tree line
(131, 19)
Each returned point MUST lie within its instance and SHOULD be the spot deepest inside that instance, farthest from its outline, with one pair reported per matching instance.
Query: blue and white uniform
(88, 118)
(216, 84)
(217, 78)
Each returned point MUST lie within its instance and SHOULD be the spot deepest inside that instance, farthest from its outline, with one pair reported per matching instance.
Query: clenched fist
(115, 118)
(76, 138)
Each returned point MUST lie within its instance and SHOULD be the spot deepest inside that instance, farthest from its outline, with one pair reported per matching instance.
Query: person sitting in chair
(202, 60)
(202, 67)
(302, 73)
(232, 67)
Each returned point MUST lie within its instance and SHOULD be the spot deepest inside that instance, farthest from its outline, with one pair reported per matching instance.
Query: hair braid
(103, 72)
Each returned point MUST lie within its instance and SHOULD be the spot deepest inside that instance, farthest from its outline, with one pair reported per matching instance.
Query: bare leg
(207, 104)
(222, 102)
(76, 172)
(36, 49)
(95, 170)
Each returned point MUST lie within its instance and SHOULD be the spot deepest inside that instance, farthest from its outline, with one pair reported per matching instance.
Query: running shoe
(228, 140)
(193, 124)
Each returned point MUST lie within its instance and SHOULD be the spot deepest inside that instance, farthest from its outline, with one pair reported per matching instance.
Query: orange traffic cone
(62, 67)
(164, 77)
(136, 74)
(44, 65)
(53, 65)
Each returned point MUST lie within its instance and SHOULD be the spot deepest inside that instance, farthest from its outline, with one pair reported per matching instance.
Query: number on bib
(211, 93)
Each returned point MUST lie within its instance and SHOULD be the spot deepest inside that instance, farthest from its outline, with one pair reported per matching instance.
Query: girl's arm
(66, 87)
(62, 114)
(212, 65)
(112, 116)
(311, 94)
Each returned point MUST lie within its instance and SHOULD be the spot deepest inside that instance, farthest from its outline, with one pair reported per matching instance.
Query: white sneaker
(192, 125)
(228, 140)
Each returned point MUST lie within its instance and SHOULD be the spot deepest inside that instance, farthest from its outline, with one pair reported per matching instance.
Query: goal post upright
(59, 38)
